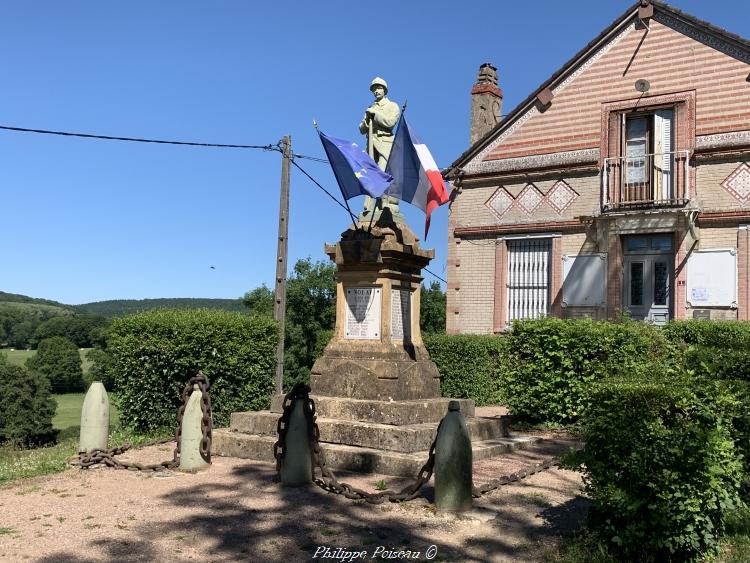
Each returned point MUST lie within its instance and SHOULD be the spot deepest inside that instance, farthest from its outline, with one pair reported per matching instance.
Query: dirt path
(236, 511)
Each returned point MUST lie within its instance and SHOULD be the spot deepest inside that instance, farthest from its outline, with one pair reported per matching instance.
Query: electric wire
(314, 181)
(268, 147)
(138, 139)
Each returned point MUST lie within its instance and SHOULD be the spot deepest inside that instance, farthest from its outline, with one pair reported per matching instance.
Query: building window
(528, 278)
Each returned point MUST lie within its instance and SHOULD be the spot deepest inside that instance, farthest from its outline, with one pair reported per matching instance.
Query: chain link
(107, 457)
(328, 481)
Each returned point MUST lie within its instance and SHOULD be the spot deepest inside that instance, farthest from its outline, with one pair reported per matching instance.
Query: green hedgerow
(153, 355)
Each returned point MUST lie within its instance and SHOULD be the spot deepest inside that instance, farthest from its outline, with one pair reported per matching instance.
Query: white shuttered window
(528, 278)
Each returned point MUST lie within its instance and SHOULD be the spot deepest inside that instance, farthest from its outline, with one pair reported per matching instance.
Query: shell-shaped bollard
(296, 467)
(453, 463)
(192, 435)
(94, 419)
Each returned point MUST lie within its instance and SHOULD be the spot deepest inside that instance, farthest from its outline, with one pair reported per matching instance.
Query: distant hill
(120, 307)
(16, 298)
(22, 307)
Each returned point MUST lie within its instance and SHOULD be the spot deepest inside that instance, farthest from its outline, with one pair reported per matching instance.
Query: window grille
(528, 278)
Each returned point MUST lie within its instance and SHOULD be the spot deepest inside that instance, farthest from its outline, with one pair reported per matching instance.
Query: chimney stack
(486, 103)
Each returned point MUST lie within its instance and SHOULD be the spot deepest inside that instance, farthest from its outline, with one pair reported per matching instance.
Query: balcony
(646, 181)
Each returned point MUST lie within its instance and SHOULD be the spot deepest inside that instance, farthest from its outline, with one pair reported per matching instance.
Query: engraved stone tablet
(363, 312)
(401, 314)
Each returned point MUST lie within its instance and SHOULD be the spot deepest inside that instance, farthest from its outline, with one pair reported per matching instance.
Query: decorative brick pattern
(500, 202)
(738, 183)
(529, 199)
(561, 196)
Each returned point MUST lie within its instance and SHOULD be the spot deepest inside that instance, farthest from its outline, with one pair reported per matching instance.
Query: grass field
(68, 414)
(19, 357)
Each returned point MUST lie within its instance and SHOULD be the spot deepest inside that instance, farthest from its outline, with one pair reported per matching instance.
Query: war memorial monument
(376, 390)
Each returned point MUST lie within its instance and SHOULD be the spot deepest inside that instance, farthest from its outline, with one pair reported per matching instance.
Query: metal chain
(328, 481)
(107, 457)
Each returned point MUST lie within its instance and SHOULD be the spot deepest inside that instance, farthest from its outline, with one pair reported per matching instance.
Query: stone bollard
(296, 467)
(94, 419)
(453, 463)
(192, 435)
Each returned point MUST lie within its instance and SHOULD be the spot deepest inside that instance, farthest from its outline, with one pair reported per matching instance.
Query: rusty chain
(328, 481)
(107, 457)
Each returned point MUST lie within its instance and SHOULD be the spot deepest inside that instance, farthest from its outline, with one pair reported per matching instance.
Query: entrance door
(649, 277)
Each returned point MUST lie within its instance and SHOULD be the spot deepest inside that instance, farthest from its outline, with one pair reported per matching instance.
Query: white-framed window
(529, 277)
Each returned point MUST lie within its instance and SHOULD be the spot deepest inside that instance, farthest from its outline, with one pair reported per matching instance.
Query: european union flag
(356, 172)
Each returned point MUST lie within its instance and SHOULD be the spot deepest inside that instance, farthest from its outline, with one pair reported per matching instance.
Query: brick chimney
(486, 103)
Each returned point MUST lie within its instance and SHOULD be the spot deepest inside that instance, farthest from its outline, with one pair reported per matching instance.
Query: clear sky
(87, 220)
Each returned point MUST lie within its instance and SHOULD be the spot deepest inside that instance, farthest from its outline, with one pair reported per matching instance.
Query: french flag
(416, 178)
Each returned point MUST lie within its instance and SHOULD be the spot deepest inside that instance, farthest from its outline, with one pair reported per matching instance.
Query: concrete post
(296, 467)
(192, 434)
(94, 419)
(453, 463)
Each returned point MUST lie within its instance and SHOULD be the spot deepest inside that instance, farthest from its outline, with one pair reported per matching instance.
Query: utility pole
(279, 304)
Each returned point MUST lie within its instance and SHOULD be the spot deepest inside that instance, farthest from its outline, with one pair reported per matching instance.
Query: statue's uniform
(384, 119)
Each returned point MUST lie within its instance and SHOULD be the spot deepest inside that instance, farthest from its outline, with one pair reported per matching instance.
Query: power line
(314, 181)
(139, 140)
(434, 275)
(313, 158)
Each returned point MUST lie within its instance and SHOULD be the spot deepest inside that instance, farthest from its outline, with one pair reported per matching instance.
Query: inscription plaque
(363, 313)
(401, 314)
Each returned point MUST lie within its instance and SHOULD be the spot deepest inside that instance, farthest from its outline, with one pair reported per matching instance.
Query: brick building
(621, 184)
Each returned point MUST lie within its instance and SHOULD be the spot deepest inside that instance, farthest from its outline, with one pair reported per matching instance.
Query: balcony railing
(651, 180)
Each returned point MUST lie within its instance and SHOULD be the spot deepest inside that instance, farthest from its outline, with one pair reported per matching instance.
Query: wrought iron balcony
(645, 181)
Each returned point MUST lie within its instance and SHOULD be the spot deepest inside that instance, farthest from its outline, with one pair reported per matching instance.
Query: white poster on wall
(584, 280)
(712, 278)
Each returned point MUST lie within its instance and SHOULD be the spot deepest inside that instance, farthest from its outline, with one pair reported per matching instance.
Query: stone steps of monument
(382, 412)
(407, 438)
(354, 458)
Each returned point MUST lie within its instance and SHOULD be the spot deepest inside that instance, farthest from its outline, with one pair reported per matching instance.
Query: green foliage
(28, 406)
(555, 362)
(57, 358)
(470, 366)
(121, 307)
(259, 301)
(432, 309)
(81, 330)
(100, 369)
(310, 315)
(153, 355)
(22, 334)
(660, 466)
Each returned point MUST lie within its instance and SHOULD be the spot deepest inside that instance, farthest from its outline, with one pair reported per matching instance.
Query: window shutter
(663, 120)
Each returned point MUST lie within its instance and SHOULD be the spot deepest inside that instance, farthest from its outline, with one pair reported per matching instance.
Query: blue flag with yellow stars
(355, 171)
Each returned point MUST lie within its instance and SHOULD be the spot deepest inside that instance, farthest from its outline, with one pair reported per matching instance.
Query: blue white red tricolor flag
(416, 177)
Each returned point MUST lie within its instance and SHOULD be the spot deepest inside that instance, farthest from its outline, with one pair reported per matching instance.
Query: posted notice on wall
(363, 313)
(401, 314)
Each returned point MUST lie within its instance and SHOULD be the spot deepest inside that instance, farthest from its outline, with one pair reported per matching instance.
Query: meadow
(19, 357)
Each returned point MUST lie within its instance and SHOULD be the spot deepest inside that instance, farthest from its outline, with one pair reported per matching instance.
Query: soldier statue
(378, 123)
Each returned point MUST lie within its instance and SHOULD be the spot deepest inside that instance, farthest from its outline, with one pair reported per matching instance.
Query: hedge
(470, 366)
(556, 361)
(153, 354)
(28, 406)
(660, 466)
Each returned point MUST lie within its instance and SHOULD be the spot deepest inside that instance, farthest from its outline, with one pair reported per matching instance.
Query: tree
(259, 301)
(78, 329)
(28, 406)
(310, 316)
(21, 334)
(57, 358)
(432, 309)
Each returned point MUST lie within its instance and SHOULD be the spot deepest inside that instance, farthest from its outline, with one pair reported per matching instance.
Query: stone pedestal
(376, 391)
(377, 351)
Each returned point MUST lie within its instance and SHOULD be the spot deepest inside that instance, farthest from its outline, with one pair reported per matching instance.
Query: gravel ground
(236, 511)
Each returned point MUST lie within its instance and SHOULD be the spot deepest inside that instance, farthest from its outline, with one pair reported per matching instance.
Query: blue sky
(87, 220)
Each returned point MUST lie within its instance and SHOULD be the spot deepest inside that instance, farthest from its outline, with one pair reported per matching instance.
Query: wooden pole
(279, 304)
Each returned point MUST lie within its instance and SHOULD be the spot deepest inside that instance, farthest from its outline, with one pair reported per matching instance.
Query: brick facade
(541, 171)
